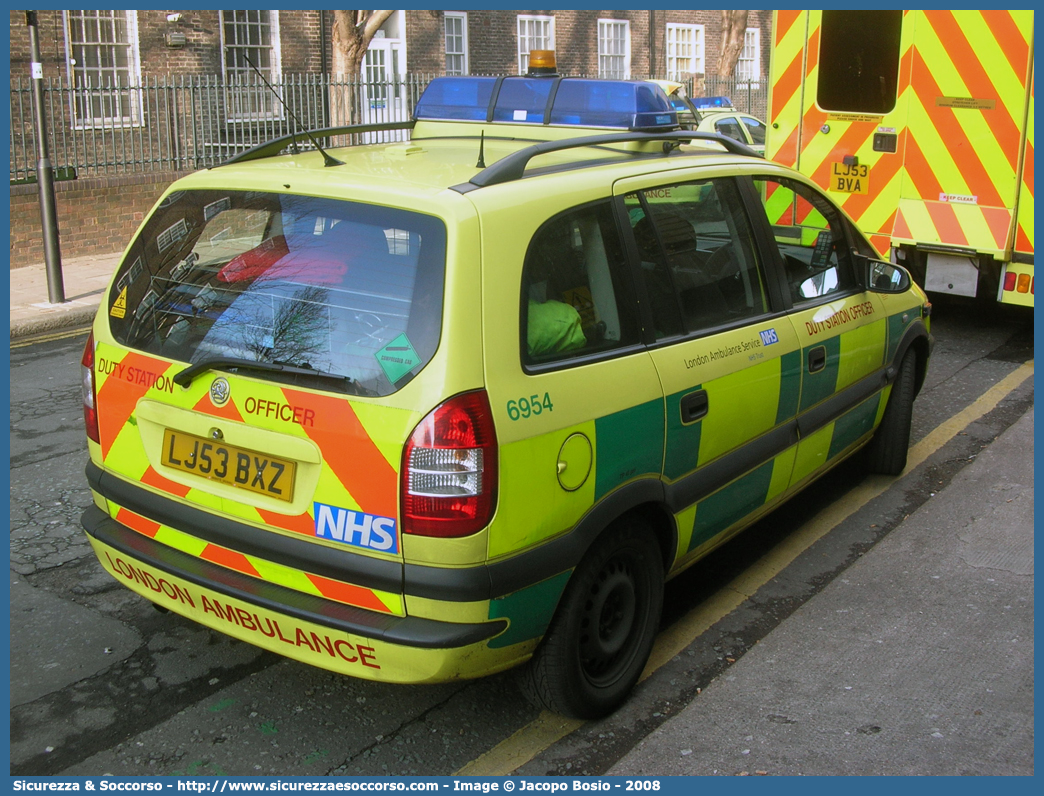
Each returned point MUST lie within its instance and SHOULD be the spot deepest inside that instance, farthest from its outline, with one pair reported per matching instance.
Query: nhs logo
(768, 337)
(356, 528)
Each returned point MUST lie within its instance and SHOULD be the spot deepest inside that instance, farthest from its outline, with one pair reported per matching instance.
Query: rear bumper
(311, 629)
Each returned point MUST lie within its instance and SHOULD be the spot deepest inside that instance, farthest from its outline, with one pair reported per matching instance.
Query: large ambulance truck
(920, 124)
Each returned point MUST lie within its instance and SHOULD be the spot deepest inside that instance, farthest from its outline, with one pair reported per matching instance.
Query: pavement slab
(917, 660)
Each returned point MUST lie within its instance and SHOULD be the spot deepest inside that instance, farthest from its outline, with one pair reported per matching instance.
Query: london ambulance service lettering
(356, 528)
(842, 316)
(749, 347)
(252, 621)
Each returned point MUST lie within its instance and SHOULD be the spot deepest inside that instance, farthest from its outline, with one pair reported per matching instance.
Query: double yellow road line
(549, 728)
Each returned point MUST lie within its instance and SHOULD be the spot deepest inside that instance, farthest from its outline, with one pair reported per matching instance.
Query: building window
(614, 48)
(101, 50)
(748, 68)
(534, 33)
(456, 29)
(250, 36)
(684, 51)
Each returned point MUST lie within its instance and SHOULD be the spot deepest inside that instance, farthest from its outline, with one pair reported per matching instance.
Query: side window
(811, 238)
(755, 128)
(697, 254)
(573, 300)
(730, 127)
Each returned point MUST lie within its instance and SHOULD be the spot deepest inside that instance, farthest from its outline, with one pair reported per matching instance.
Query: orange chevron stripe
(946, 224)
(230, 559)
(136, 522)
(811, 122)
(227, 412)
(347, 593)
(151, 478)
(785, 20)
(1022, 241)
(787, 153)
(901, 229)
(950, 131)
(917, 168)
(303, 524)
(117, 397)
(1012, 43)
(966, 61)
(881, 244)
(351, 454)
(905, 72)
(812, 48)
(998, 219)
(786, 86)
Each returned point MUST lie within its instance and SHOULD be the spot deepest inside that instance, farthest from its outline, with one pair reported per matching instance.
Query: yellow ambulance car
(432, 409)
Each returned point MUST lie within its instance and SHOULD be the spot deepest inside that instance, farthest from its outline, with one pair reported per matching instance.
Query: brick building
(100, 209)
(661, 43)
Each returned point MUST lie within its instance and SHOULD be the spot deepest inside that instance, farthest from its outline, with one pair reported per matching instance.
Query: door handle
(694, 406)
(817, 359)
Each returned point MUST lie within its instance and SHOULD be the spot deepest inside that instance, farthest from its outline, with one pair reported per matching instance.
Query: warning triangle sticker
(119, 309)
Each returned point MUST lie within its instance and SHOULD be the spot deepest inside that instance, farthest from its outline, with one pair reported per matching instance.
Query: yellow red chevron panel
(961, 129)
(348, 593)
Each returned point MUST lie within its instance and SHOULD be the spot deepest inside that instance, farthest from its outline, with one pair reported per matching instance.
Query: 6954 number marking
(521, 408)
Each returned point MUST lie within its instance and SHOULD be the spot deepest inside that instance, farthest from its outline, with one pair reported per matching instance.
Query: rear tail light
(1009, 280)
(90, 396)
(449, 469)
(1024, 283)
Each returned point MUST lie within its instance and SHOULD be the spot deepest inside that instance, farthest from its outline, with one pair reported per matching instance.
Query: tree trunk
(352, 33)
(733, 30)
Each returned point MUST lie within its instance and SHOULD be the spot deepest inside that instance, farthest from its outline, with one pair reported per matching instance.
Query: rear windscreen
(340, 288)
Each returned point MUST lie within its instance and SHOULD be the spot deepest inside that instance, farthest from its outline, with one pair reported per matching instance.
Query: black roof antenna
(482, 150)
(327, 159)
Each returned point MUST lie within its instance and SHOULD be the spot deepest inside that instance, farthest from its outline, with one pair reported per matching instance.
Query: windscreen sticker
(356, 528)
(119, 307)
(398, 358)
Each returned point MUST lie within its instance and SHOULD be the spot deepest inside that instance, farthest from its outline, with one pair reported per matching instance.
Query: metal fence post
(45, 173)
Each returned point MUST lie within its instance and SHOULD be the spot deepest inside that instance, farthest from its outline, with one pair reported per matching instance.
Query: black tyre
(603, 631)
(887, 451)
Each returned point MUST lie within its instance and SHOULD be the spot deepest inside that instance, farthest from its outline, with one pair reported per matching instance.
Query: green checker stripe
(731, 504)
(628, 444)
(822, 384)
(789, 385)
(853, 424)
(683, 441)
(530, 610)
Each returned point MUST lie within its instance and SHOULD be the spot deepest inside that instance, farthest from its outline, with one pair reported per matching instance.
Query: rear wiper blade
(184, 378)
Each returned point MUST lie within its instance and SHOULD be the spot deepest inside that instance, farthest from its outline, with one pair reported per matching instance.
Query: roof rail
(513, 166)
(276, 145)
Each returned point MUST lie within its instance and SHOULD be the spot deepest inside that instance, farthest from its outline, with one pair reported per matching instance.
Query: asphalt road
(103, 683)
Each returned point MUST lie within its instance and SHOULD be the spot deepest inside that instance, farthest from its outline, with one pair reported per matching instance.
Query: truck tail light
(449, 469)
(1009, 280)
(90, 395)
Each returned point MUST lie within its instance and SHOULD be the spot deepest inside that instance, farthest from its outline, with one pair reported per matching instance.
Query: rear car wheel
(603, 631)
(887, 451)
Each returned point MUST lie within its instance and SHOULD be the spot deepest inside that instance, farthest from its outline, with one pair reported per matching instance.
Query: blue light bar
(522, 99)
(631, 105)
(583, 102)
(456, 98)
(711, 102)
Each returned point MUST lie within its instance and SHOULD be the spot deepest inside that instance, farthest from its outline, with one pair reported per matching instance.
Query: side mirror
(883, 277)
